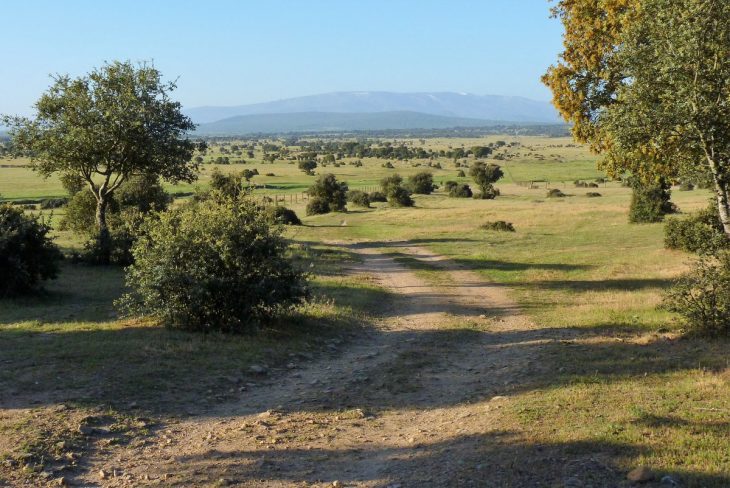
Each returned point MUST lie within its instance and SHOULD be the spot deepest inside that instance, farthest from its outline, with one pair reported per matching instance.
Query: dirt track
(415, 402)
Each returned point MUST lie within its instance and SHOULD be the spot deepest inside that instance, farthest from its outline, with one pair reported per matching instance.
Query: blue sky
(238, 52)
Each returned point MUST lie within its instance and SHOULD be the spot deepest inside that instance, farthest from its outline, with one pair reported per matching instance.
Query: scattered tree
(485, 175)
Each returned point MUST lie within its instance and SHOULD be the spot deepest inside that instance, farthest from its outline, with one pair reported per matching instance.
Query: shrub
(593, 194)
(555, 193)
(397, 195)
(388, 165)
(449, 185)
(485, 175)
(489, 194)
(308, 167)
(499, 225)
(686, 186)
(282, 215)
(27, 254)
(702, 296)
(330, 191)
(580, 184)
(700, 232)
(421, 183)
(377, 196)
(460, 174)
(317, 206)
(461, 190)
(650, 202)
(270, 174)
(359, 198)
(212, 265)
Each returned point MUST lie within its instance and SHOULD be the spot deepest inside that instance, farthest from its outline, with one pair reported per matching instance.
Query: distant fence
(294, 198)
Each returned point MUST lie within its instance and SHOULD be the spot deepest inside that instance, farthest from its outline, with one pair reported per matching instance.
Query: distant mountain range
(372, 111)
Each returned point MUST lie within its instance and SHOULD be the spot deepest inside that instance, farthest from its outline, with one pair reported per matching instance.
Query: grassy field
(626, 379)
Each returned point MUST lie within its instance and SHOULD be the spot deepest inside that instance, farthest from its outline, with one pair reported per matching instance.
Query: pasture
(611, 380)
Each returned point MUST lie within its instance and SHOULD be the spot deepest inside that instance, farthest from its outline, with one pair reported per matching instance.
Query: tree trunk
(722, 195)
(104, 239)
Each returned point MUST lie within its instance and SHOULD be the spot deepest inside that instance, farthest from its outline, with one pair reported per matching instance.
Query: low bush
(593, 194)
(461, 174)
(359, 198)
(317, 206)
(27, 255)
(700, 232)
(282, 215)
(686, 186)
(489, 193)
(330, 191)
(555, 193)
(702, 296)
(377, 196)
(421, 183)
(212, 265)
(388, 165)
(461, 190)
(498, 225)
(397, 195)
(650, 202)
(449, 185)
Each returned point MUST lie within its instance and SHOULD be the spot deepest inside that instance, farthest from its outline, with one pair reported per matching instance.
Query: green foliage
(27, 254)
(282, 215)
(421, 183)
(650, 202)
(308, 166)
(460, 174)
(51, 203)
(73, 183)
(105, 127)
(499, 225)
(397, 195)
(485, 175)
(555, 193)
(377, 196)
(449, 185)
(359, 198)
(212, 265)
(593, 194)
(481, 151)
(317, 206)
(460, 190)
(229, 185)
(702, 296)
(700, 233)
(331, 192)
(80, 214)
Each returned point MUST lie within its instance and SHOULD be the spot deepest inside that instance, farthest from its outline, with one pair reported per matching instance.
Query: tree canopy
(115, 122)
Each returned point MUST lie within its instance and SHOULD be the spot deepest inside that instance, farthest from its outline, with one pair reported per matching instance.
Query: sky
(238, 52)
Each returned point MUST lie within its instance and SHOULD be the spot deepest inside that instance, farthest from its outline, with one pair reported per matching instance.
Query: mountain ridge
(449, 104)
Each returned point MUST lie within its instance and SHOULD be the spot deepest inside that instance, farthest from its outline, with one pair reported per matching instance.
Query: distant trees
(116, 122)
(395, 192)
(421, 183)
(327, 195)
(481, 151)
(485, 175)
(308, 166)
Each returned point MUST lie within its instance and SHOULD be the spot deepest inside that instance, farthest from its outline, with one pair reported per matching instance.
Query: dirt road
(415, 402)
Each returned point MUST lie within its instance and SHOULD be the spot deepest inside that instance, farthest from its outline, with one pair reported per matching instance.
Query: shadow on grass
(499, 458)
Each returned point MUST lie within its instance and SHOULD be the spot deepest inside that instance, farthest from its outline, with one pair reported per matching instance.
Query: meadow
(620, 376)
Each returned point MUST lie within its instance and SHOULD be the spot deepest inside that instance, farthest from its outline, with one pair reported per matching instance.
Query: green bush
(397, 195)
(686, 186)
(702, 296)
(461, 190)
(27, 254)
(317, 206)
(700, 232)
(555, 193)
(490, 193)
(359, 198)
(330, 191)
(421, 183)
(485, 175)
(593, 194)
(51, 203)
(499, 225)
(449, 185)
(212, 265)
(650, 202)
(460, 174)
(377, 196)
(282, 215)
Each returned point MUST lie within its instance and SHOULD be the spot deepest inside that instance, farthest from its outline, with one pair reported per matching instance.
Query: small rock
(496, 398)
(669, 481)
(641, 474)
(61, 481)
(103, 474)
(257, 369)
(337, 484)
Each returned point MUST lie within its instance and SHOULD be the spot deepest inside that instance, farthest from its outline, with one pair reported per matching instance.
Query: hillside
(450, 104)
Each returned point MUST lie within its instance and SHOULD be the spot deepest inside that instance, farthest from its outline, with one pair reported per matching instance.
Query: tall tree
(116, 122)
(646, 83)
